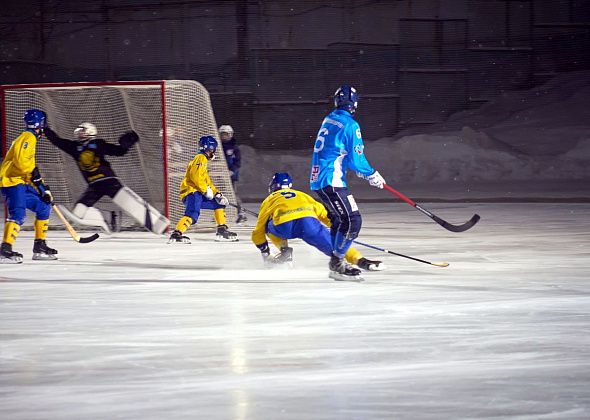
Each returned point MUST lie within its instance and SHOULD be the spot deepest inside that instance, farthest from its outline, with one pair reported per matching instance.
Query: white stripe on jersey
(333, 122)
(338, 173)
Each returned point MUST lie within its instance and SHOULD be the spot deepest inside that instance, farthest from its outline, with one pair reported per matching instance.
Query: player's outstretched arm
(67, 146)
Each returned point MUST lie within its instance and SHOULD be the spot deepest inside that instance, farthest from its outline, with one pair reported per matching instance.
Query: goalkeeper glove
(128, 139)
(221, 199)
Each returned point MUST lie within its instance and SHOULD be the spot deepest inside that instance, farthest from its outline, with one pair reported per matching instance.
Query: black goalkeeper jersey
(89, 155)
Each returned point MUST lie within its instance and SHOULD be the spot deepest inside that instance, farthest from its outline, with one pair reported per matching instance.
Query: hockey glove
(128, 139)
(44, 192)
(376, 180)
(209, 193)
(267, 260)
(221, 199)
(49, 133)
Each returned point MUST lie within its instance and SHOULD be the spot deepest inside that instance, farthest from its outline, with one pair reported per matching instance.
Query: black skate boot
(178, 238)
(41, 252)
(225, 235)
(341, 271)
(8, 256)
(241, 218)
(371, 265)
(285, 257)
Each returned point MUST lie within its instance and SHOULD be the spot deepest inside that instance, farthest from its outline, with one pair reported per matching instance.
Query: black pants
(342, 211)
(97, 190)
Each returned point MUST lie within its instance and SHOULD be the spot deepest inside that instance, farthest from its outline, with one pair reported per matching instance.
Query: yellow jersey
(19, 162)
(196, 178)
(283, 206)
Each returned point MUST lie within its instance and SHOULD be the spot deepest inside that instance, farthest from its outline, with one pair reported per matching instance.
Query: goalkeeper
(198, 192)
(89, 152)
(287, 214)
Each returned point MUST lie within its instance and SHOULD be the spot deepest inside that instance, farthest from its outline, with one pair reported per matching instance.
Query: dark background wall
(271, 66)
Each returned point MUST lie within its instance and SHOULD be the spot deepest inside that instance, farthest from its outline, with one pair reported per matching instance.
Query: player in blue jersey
(338, 148)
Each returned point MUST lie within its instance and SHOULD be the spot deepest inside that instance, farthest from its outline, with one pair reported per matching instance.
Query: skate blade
(174, 241)
(43, 257)
(222, 239)
(15, 260)
(342, 277)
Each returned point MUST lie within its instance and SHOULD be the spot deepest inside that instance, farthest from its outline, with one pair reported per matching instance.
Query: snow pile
(541, 134)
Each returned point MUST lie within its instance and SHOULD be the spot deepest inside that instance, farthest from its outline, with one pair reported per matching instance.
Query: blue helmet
(346, 97)
(207, 144)
(280, 180)
(35, 118)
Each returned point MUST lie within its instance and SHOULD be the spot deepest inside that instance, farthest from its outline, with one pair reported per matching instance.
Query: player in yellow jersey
(287, 214)
(198, 192)
(18, 174)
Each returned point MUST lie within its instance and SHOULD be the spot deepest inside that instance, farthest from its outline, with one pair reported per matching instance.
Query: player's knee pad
(356, 222)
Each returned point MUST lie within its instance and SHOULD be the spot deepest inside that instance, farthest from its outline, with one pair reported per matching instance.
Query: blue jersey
(338, 148)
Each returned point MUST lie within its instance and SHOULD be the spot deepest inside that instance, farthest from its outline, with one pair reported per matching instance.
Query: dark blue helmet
(346, 97)
(207, 143)
(280, 180)
(35, 118)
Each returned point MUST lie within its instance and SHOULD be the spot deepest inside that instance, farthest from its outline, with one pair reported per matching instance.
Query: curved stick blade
(88, 238)
(457, 228)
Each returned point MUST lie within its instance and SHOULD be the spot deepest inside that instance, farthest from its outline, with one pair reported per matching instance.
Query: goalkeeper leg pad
(85, 216)
(141, 211)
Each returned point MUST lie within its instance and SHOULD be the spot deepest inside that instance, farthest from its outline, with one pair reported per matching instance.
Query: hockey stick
(440, 264)
(70, 229)
(448, 226)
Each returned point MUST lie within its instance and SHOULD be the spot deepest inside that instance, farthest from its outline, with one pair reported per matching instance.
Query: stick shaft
(69, 227)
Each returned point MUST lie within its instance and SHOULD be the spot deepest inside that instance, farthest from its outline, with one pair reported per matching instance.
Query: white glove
(376, 180)
(209, 193)
(221, 199)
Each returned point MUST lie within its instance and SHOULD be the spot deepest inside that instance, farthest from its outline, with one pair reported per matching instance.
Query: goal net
(170, 116)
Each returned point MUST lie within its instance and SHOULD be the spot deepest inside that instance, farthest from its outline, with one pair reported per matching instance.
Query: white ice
(129, 327)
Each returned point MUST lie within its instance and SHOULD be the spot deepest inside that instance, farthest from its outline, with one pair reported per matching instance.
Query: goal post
(169, 115)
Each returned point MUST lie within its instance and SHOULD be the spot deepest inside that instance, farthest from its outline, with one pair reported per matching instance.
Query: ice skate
(41, 252)
(241, 218)
(178, 238)
(284, 258)
(371, 265)
(225, 235)
(340, 271)
(8, 256)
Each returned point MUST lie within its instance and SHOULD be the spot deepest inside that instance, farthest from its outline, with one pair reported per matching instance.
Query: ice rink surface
(129, 327)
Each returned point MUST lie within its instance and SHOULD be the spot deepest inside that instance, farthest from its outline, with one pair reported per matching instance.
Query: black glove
(128, 139)
(49, 133)
(44, 191)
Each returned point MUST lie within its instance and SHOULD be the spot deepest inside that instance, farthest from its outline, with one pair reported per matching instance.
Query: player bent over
(198, 192)
(17, 172)
(287, 214)
(89, 152)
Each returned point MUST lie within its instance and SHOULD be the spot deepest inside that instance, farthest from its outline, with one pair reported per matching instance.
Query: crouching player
(17, 173)
(198, 192)
(287, 214)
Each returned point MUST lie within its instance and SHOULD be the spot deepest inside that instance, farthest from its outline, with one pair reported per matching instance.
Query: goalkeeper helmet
(346, 97)
(207, 144)
(85, 131)
(279, 181)
(35, 118)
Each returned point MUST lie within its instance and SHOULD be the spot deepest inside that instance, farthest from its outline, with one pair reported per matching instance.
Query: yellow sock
(11, 230)
(219, 216)
(279, 242)
(353, 255)
(184, 223)
(41, 227)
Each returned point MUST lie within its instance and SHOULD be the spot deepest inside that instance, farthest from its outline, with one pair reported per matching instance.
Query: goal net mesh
(169, 116)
